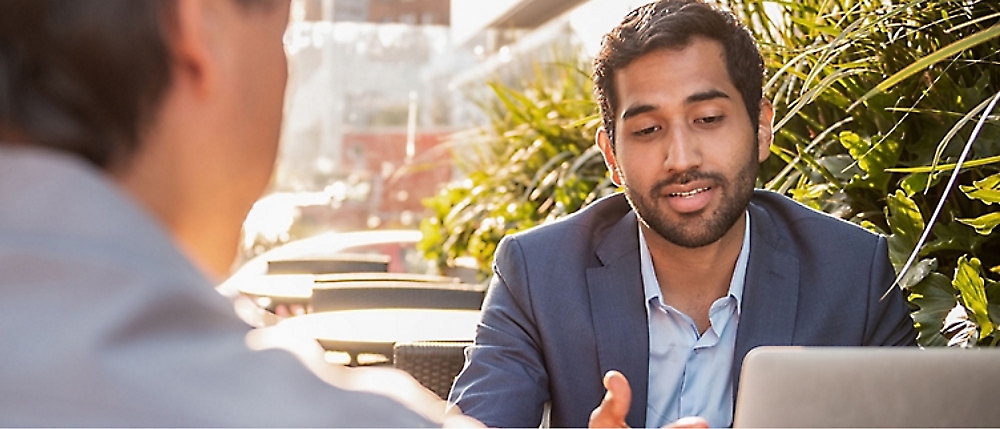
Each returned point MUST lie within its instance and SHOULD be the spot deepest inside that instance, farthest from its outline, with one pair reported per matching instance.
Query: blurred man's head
(179, 101)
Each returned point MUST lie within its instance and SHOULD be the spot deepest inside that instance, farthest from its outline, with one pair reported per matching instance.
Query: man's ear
(765, 129)
(604, 143)
(192, 41)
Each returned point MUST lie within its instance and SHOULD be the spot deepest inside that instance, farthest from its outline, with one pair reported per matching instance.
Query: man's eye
(710, 119)
(647, 131)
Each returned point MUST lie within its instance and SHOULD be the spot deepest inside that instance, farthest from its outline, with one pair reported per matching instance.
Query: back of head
(174, 99)
(671, 24)
(81, 76)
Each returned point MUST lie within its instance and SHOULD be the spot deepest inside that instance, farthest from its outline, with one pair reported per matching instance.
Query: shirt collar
(651, 286)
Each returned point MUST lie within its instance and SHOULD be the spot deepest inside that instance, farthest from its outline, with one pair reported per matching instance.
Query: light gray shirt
(689, 372)
(106, 323)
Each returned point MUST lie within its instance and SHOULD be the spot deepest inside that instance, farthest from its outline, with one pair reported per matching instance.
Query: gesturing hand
(614, 407)
(611, 413)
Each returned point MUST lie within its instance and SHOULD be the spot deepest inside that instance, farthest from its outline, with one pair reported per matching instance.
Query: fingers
(620, 393)
(613, 409)
(689, 422)
(282, 311)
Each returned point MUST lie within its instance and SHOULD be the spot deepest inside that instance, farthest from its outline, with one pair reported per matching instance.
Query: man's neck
(210, 249)
(202, 217)
(690, 279)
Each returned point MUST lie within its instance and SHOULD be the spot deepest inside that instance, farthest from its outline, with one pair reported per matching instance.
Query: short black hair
(82, 76)
(85, 76)
(670, 24)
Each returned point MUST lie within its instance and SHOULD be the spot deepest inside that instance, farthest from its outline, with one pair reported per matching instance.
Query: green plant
(534, 162)
(876, 101)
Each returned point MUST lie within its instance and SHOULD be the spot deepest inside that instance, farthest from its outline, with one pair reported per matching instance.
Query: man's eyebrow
(691, 99)
(705, 96)
(637, 110)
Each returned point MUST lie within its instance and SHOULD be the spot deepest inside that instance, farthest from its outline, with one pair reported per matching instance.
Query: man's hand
(613, 409)
(611, 413)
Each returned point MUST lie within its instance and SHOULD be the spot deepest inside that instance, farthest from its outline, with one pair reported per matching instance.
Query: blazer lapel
(770, 293)
(619, 313)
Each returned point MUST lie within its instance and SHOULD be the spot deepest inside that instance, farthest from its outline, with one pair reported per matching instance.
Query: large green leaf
(818, 167)
(934, 298)
(872, 156)
(993, 296)
(916, 183)
(955, 237)
(918, 272)
(972, 288)
(986, 190)
(906, 225)
(984, 224)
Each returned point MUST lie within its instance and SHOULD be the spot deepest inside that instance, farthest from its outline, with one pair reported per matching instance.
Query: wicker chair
(434, 364)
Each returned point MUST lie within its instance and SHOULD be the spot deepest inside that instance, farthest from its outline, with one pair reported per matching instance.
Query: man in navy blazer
(662, 290)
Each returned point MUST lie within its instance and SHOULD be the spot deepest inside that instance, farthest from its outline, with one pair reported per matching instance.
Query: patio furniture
(377, 330)
(333, 263)
(390, 276)
(352, 295)
(272, 290)
(434, 364)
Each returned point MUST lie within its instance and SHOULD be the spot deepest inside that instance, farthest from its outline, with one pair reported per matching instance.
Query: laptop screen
(869, 387)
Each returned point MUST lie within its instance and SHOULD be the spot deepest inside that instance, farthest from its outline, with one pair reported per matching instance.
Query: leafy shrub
(875, 103)
(534, 162)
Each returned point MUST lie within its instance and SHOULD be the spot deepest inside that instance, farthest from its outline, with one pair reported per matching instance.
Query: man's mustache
(687, 177)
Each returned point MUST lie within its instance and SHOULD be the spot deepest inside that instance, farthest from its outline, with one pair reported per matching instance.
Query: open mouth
(690, 193)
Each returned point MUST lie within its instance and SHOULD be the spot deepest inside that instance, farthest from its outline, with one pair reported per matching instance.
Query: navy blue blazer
(566, 304)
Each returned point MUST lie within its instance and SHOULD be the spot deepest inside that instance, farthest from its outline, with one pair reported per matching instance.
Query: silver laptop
(869, 387)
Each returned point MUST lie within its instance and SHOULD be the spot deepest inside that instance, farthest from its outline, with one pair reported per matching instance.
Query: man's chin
(692, 230)
(692, 241)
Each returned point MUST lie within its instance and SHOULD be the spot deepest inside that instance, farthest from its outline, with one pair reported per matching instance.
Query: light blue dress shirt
(689, 373)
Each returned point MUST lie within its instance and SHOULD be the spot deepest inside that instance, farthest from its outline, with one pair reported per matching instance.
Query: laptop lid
(869, 387)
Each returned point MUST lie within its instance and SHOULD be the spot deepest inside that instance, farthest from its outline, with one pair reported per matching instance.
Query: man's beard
(699, 229)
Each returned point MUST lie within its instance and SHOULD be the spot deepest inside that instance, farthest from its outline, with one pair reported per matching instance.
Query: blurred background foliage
(886, 116)
(536, 161)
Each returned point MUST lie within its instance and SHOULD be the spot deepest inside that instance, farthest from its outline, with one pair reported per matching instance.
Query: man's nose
(683, 153)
